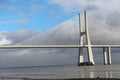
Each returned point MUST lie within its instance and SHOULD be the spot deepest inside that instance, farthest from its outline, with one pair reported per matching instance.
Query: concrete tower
(88, 43)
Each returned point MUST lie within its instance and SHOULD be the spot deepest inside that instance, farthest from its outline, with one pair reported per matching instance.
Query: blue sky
(30, 15)
(40, 15)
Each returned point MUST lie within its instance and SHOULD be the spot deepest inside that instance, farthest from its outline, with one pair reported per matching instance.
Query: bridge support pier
(80, 56)
(107, 55)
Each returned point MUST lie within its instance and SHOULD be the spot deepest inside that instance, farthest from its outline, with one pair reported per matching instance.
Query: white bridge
(106, 48)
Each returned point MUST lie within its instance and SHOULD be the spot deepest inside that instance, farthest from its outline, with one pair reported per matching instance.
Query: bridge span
(58, 46)
(106, 49)
(81, 45)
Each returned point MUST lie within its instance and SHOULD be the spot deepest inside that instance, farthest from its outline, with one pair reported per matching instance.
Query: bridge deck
(58, 46)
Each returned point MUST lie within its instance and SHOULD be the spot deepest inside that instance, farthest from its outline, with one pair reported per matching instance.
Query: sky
(35, 22)
(30, 14)
(40, 15)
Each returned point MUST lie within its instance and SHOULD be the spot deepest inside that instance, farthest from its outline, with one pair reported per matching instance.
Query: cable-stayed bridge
(79, 44)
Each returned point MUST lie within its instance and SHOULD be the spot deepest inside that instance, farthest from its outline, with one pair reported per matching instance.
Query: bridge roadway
(57, 46)
(106, 49)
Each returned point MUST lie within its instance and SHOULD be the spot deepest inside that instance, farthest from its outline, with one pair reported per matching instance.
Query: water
(73, 71)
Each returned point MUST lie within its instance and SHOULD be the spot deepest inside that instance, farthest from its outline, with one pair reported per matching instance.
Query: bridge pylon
(88, 42)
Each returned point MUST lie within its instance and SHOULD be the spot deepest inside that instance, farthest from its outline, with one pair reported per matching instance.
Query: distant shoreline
(79, 79)
(98, 78)
(38, 66)
(15, 67)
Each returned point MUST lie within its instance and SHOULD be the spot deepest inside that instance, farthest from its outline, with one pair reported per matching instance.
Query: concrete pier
(105, 56)
(109, 55)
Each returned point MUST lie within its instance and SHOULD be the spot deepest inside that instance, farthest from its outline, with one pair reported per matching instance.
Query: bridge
(81, 46)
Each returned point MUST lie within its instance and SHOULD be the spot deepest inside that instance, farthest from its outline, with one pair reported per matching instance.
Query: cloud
(102, 33)
(4, 40)
(80, 5)
(20, 21)
(70, 5)
(113, 19)
(108, 14)
(18, 36)
(34, 8)
(91, 7)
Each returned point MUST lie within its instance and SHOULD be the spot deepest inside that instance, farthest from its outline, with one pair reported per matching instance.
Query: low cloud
(113, 19)
(16, 37)
(4, 40)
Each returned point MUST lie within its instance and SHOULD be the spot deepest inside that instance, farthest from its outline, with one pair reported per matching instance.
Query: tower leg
(89, 48)
(90, 56)
(80, 57)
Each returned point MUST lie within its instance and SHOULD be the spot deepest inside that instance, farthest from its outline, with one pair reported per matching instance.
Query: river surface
(71, 71)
